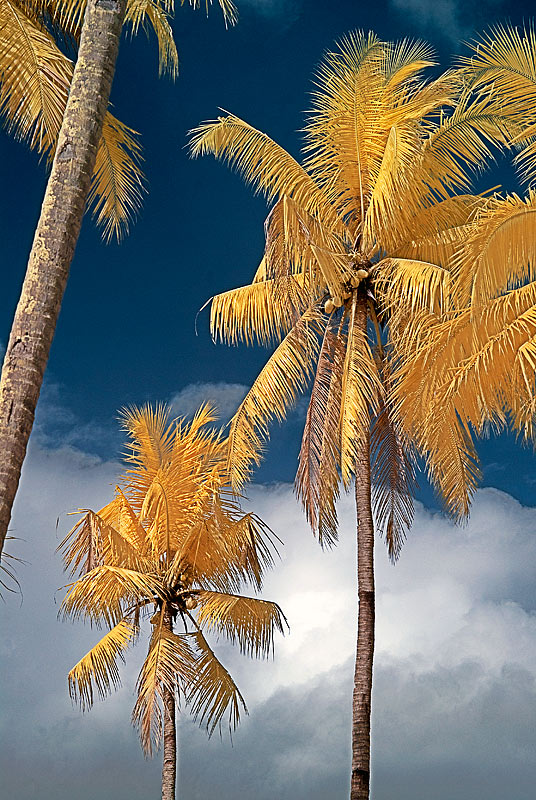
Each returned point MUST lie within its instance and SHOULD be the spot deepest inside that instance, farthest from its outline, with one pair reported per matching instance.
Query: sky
(454, 694)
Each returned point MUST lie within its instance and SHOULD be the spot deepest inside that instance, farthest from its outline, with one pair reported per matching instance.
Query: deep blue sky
(126, 330)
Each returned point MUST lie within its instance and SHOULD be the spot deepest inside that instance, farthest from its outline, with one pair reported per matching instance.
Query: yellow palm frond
(145, 13)
(247, 620)
(103, 594)
(213, 693)
(258, 312)
(222, 550)
(284, 376)
(501, 251)
(117, 183)
(463, 143)
(94, 541)
(344, 139)
(406, 286)
(393, 474)
(171, 664)
(261, 162)
(317, 478)
(361, 386)
(97, 670)
(35, 78)
(34, 85)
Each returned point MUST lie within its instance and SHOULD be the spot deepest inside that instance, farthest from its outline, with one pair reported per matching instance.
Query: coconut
(337, 301)
(190, 603)
(362, 274)
(329, 307)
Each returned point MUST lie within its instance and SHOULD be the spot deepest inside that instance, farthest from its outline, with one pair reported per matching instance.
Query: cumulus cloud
(225, 396)
(454, 696)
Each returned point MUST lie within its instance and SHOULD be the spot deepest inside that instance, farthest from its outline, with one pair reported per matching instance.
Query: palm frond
(171, 664)
(361, 386)
(145, 13)
(261, 162)
(317, 478)
(247, 620)
(393, 474)
(117, 184)
(261, 311)
(213, 692)
(102, 595)
(98, 670)
(501, 252)
(286, 374)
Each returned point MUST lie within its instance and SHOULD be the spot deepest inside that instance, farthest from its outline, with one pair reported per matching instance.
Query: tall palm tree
(36, 113)
(372, 217)
(174, 545)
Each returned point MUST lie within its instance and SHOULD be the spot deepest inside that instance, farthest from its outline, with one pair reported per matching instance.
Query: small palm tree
(174, 545)
(359, 246)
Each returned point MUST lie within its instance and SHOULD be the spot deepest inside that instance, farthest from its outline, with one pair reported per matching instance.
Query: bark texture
(361, 706)
(169, 765)
(55, 241)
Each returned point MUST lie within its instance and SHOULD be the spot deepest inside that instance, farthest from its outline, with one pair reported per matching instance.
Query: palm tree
(359, 245)
(34, 105)
(173, 544)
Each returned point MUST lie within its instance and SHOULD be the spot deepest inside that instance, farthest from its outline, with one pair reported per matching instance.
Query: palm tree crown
(174, 545)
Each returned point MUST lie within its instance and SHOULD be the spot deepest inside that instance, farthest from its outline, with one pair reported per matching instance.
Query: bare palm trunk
(169, 766)
(361, 705)
(55, 241)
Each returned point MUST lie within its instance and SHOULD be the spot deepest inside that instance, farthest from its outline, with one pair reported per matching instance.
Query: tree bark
(55, 241)
(169, 765)
(361, 706)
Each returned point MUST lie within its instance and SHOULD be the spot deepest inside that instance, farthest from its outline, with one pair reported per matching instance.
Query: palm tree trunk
(169, 766)
(55, 241)
(361, 706)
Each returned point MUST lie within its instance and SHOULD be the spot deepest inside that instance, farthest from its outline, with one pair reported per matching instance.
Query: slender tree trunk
(169, 766)
(361, 705)
(55, 241)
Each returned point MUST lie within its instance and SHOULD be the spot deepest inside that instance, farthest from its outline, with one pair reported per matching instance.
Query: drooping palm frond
(213, 693)
(361, 386)
(98, 670)
(393, 473)
(317, 478)
(104, 594)
(247, 620)
(171, 665)
(285, 375)
(156, 15)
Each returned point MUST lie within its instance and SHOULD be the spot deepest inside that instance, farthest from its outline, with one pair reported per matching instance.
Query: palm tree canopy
(379, 213)
(173, 539)
(35, 76)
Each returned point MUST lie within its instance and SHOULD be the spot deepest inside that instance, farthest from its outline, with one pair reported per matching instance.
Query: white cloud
(454, 671)
(225, 396)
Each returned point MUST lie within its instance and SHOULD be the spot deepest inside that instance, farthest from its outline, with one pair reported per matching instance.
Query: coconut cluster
(353, 282)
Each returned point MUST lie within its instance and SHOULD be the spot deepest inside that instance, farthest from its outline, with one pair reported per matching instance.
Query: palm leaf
(97, 670)
(213, 692)
(249, 621)
(286, 373)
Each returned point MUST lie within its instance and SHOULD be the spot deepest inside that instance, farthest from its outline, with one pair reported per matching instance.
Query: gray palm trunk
(361, 705)
(55, 241)
(169, 765)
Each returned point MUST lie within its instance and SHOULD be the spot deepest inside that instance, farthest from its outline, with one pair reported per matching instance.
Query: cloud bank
(455, 669)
